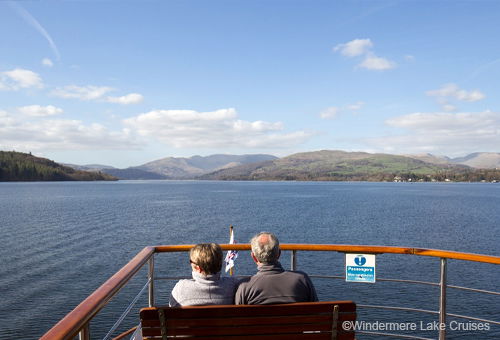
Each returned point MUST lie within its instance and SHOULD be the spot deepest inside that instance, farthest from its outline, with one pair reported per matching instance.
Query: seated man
(272, 284)
(206, 287)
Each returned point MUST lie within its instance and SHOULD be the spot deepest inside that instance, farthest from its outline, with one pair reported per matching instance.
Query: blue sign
(360, 268)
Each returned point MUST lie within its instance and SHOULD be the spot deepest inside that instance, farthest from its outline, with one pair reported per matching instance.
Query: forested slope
(17, 166)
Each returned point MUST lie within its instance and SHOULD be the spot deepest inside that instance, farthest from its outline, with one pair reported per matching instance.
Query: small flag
(231, 254)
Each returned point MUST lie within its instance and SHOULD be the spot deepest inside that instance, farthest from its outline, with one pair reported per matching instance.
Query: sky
(122, 83)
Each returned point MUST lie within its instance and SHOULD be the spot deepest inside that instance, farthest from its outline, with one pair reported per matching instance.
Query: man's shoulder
(247, 282)
(264, 277)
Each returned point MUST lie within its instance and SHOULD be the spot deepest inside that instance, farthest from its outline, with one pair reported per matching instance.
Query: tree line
(17, 166)
(462, 175)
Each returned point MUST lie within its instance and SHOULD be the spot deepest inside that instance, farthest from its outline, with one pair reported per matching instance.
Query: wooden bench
(302, 320)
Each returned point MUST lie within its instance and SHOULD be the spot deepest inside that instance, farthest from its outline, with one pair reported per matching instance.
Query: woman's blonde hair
(207, 256)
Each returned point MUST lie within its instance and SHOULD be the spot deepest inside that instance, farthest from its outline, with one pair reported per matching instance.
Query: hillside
(88, 167)
(433, 159)
(480, 160)
(17, 166)
(187, 168)
(477, 160)
(131, 173)
(327, 165)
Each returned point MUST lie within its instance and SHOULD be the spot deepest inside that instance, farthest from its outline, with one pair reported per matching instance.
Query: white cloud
(363, 47)
(329, 113)
(36, 25)
(453, 91)
(333, 111)
(81, 92)
(355, 107)
(132, 98)
(61, 135)
(372, 62)
(451, 123)
(39, 111)
(354, 47)
(5, 120)
(221, 128)
(449, 107)
(444, 133)
(450, 92)
(19, 78)
(47, 62)
(91, 92)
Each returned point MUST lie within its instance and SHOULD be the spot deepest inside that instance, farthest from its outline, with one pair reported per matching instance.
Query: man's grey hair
(267, 251)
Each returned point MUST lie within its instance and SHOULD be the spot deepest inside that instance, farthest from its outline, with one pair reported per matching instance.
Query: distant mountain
(342, 166)
(17, 166)
(480, 160)
(171, 167)
(89, 167)
(131, 173)
(430, 158)
(188, 168)
(215, 162)
(317, 165)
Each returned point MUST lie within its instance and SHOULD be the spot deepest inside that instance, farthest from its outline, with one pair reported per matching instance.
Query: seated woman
(206, 287)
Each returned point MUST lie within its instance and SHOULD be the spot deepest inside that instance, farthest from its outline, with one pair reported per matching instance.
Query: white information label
(360, 268)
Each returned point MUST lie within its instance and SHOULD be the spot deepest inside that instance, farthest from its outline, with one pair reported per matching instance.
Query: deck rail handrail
(346, 248)
(77, 321)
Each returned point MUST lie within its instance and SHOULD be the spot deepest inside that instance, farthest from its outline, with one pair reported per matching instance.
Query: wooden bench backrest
(302, 320)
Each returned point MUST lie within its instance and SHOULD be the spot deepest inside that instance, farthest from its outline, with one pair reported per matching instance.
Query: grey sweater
(204, 290)
(272, 284)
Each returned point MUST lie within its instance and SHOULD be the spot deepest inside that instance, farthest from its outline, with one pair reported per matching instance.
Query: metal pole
(442, 301)
(293, 260)
(151, 277)
(231, 240)
(84, 332)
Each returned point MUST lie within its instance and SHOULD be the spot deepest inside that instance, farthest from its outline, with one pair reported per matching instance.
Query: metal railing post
(84, 333)
(442, 301)
(151, 278)
(293, 260)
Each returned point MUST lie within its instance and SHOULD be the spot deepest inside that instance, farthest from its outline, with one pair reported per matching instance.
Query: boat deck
(77, 322)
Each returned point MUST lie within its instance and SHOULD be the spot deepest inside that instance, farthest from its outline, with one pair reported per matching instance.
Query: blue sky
(126, 82)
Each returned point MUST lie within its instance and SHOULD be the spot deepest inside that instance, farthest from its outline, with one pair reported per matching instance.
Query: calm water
(60, 241)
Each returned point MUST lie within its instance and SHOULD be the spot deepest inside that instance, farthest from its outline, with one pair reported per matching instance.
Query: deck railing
(76, 323)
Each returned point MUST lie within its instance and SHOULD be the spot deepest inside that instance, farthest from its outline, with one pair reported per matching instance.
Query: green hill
(327, 165)
(17, 166)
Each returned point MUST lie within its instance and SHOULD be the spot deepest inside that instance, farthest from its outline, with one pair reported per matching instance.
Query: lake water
(60, 241)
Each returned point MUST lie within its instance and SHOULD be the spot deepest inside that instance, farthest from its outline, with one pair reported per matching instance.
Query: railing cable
(379, 279)
(403, 336)
(472, 318)
(399, 308)
(125, 313)
(474, 290)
